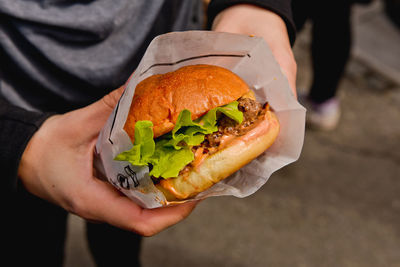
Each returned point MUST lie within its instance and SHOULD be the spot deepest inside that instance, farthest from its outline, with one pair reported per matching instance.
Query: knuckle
(147, 231)
(111, 99)
(144, 228)
(75, 206)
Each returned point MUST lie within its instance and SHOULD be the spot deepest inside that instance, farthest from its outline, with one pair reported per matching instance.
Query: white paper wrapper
(248, 57)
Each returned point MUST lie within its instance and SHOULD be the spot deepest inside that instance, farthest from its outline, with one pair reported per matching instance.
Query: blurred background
(338, 205)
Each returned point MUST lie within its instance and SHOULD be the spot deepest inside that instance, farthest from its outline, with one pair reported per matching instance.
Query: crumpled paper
(248, 57)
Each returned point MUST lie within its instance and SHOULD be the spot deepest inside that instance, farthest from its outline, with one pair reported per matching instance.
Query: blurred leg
(35, 230)
(301, 12)
(331, 42)
(392, 10)
(112, 247)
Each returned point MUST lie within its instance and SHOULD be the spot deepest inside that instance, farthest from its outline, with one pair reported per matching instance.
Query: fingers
(161, 218)
(289, 67)
(108, 205)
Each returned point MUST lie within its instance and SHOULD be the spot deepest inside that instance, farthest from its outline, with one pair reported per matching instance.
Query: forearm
(16, 128)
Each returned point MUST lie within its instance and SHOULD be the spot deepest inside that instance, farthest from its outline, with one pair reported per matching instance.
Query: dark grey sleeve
(280, 7)
(17, 126)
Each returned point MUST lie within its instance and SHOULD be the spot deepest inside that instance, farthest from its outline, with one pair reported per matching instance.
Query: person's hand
(257, 21)
(57, 165)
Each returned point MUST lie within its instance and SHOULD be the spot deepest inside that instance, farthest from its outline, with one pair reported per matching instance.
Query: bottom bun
(223, 163)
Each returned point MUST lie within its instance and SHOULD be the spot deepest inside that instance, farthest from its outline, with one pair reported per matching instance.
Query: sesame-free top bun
(198, 88)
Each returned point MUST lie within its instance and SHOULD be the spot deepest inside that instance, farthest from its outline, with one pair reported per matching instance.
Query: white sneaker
(322, 116)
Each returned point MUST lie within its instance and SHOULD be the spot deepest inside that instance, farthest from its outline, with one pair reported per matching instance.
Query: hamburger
(194, 127)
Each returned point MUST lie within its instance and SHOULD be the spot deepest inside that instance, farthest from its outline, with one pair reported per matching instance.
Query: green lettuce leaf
(143, 147)
(170, 153)
(168, 162)
(231, 110)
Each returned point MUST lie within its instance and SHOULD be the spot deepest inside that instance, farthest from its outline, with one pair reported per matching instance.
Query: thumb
(95, 115)
(110, 100)
(107, 103)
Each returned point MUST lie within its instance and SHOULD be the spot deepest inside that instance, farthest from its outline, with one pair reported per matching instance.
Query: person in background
(392, 10)
(330, 51)
(60, 59)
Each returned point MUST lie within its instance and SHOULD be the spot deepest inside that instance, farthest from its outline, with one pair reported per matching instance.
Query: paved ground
(339, 205)
(371, 44)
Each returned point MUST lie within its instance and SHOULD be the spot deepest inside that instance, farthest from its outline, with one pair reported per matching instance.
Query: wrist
(252, 20)
(32, 159)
